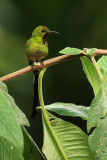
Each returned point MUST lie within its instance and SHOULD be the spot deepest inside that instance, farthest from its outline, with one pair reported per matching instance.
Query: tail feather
(35, 96)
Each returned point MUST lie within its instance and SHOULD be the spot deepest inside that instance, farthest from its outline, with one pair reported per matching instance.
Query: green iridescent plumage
(36, 51)
(37, 47)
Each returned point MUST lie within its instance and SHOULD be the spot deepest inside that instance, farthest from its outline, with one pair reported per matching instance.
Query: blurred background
(81, 24)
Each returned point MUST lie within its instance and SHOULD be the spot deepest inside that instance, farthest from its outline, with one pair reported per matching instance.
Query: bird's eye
(42, 31)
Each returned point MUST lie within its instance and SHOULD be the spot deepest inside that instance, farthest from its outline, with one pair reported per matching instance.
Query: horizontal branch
(47, 63)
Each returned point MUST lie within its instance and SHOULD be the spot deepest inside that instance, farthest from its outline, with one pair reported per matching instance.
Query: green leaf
(104, 73)
(19, 114)
(102, 62)
(97, 117)
(31, 150)
(98, 109)
(3, 86)
(90, 51)
(68, 109)
(98, 140)
(72, 140)
(72, 51)
(8, 151)
(91, 74)
(9, 125)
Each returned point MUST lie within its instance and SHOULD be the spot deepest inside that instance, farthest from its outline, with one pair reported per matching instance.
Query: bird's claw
(35, 63)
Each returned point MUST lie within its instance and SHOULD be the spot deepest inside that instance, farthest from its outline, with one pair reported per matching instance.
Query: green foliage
(31, 150)
(72, 51)
(91, 74)
(76, 51)
(15, 142)
(102, 62)
(81, 28)
(68, 109)
(89, 52)
(62, 140)
(98, 140)
(19, 114)
(9, 151)
(97, 118)
(9, 124)
(73, 141)
(98, 109)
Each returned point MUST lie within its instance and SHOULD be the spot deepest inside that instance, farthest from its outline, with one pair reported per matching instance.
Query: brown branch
(47, 63)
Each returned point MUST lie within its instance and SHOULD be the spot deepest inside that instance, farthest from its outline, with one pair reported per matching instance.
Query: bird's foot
(35, 63)
(41, 62)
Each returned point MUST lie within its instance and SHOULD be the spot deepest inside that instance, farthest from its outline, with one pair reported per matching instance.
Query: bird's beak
(54, 32)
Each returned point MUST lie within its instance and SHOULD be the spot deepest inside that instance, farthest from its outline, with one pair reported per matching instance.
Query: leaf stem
(45, 115)
(98, 71)
(97, 68)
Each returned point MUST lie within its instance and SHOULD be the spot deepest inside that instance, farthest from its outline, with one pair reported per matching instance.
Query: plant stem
(98, 71)
(97, 68)
(45, 115)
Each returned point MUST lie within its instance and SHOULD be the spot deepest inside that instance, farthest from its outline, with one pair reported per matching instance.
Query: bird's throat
(40, 40)
(45, 38)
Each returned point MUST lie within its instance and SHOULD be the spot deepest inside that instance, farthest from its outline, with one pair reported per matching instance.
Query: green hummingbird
(36, 51)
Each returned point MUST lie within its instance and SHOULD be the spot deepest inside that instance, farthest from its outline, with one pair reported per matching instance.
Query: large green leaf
(98, 109)
(8, 151)
(68, 109)
(98, 140)
(31, 150)
(97, 117)
(72, 51)
(19, 114)
(9, 126)
(91, 74)
(72, 141)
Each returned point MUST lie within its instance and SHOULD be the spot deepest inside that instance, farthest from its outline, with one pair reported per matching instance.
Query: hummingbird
(36, 51)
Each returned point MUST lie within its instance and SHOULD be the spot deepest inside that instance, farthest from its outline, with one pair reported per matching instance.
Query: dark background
(82, 23)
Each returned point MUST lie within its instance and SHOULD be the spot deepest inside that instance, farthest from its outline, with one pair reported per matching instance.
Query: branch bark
(47, 63)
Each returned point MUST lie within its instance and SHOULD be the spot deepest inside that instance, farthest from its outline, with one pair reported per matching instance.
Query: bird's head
(42, 31)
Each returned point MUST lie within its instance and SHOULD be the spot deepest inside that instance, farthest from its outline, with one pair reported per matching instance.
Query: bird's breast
(36, 52)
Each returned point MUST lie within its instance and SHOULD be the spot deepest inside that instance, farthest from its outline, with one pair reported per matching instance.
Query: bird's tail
(35, 96)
